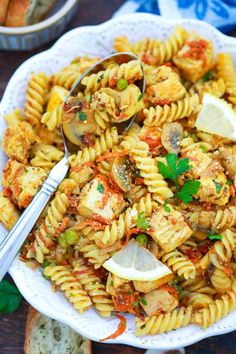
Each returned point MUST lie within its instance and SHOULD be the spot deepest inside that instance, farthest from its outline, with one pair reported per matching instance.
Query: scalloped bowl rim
(14, 272)
(42, 24)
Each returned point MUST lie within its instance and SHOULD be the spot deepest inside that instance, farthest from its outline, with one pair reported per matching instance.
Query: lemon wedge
(57, 96)
(135, 262)
(216, 117)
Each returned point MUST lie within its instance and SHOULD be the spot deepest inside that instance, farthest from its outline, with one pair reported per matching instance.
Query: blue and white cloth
(219, 13)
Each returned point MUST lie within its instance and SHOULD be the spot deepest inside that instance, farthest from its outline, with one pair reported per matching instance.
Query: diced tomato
(131, 232)
(193, 254)
(124, 302)
(101, 273)
(203, 249)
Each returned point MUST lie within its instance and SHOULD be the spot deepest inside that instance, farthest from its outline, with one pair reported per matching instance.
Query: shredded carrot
(232, 190)
(100, 219)
(109, 155)
(63, 225)
(121, 328)
(113, 184)
(79, 272)
(78, 168)
(96, 225)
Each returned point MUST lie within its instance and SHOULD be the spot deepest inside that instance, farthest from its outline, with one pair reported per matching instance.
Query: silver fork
(14, 240)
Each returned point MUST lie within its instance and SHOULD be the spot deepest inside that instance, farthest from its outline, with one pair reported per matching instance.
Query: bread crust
(18, 12)
(32, 318)
(3, 10)
(31, 321)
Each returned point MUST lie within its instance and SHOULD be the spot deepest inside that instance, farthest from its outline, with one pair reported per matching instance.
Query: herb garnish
(10, 297)
(82, 116)
(217, 185)
(142, 300)
(214, 236)
(100, 188)
(172, 170)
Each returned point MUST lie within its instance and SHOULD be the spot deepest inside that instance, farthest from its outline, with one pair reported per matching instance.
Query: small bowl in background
(30, 37)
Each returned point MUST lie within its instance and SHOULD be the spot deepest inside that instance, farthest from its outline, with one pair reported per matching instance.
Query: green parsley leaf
(100, 188)
(135, 303)
(175, 281)
(82, 116)
(229, 182)
(142, 222)
(217, 185)
(142, 300)
(173, 168)
(188, 190)
(140, 97)
(214, 236)
(208, 76)
(10, 297)
(179, 289)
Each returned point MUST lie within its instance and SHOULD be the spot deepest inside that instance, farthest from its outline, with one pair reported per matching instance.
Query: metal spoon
(11, 245)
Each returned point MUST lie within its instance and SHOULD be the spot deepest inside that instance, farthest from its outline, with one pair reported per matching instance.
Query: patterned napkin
(220, 13)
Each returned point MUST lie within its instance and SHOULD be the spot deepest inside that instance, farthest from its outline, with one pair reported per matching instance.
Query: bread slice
(27, 12)
(47, 336)
(3, 10)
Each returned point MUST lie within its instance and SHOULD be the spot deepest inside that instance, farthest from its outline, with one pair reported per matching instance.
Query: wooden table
(90, 12)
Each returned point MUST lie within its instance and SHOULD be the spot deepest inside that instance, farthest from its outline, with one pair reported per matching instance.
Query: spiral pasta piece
(149, 171)
(149, 45)
(53, 119)
(170, 113)
(44, 234)
(220, 280)
(199, 285)
(180, 264)
(95, 289)
(214, 312)
(93, 253)
(46, 156)
(130, 71)
(63, 277)
(118, 228)
(226, 71)
(36, 98)
(164, 322)
(105, 142)
(214, 220)
(197, 300)
(220, 253)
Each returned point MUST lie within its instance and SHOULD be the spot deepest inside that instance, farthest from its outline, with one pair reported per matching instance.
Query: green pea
(142, 239)
(62, 241)
(71, 237)
(122, 84)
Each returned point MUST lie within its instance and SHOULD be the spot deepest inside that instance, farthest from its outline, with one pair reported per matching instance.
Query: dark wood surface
(12, 326)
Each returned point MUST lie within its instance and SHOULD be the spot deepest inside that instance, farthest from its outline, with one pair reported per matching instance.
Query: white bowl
(97, 40)
(30, 37)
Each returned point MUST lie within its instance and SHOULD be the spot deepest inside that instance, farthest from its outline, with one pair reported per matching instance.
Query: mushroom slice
(171, 137)
(121, 172)
(77, 125)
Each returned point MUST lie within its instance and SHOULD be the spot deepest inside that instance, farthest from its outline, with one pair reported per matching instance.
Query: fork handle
(14, 240)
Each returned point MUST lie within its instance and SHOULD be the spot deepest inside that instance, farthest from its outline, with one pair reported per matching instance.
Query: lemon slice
(216, 117)
(57, 96)
(134, 262)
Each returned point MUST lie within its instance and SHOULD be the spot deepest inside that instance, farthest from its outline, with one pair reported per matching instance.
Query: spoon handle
(14, 240)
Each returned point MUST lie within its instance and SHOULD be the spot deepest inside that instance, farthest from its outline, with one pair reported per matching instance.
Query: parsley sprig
(213, 236)
(173, 170)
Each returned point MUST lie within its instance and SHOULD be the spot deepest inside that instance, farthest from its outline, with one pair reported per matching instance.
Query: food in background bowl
(20, 13)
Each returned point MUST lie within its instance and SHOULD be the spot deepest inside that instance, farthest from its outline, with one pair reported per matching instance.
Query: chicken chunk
(22, 182)
(8, 212)
(18, 140)
(113, 283)
(214, 189)
(159, 300)
(98, 200)
(147, 286)
(169, 229)
(168, 87)
(195, 58)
